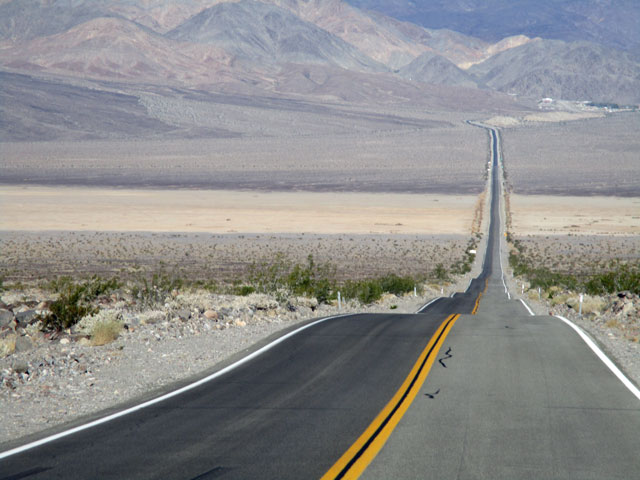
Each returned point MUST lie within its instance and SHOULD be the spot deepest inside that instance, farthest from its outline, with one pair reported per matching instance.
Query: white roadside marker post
(523, 289)
(441, 290)
(339, 302)
(581, 299)
(539, 294)
(415, 291)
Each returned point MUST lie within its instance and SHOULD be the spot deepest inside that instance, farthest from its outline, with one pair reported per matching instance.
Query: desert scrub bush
(366, 291)
(73, 303)
(398, 285)
(244, 290)
(149, 294)
(88, 322)
(310, 279)
(440, 273)
(619, 277)
(94, 287)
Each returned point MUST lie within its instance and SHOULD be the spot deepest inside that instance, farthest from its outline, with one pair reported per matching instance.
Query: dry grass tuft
(613, 323)
(105, 332)
(7, 346)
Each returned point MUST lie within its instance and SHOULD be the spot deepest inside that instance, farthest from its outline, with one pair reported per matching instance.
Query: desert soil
(561, 215)
(594, 157)
(32, 208)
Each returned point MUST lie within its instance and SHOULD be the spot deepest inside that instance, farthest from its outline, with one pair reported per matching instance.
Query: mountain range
(362, 51)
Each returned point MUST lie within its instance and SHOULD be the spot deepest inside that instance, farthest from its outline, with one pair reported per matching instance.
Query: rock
(65, 341)
(183, 314)
(627, 309)
(261, 301)
(76, 337)
(240, 323)
(26, 317)
(311, 303)
(23, 344)
(6, 316)
(151, 317)
(211, 315)
(20, 367)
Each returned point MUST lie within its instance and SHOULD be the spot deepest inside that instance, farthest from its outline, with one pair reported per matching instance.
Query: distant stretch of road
(472, 386)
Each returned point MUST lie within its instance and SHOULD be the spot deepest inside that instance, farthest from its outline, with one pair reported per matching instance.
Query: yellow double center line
(366, 447)
(475, 307)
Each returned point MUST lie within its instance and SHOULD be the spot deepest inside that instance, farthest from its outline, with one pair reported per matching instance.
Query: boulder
(23, 344)
(6, 316)
(211, 315)
(20, 366)
(27, 317)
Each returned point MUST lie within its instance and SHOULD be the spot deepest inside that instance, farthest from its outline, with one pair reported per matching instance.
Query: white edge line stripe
(166, 396)
(612, 366)
(427, 304)
(527, 307)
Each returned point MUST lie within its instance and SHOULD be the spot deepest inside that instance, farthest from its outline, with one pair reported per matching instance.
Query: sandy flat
(35, 208)
(545, 214)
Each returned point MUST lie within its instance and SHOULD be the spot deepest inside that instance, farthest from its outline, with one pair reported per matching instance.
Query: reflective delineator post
(415, 291)
(581, 299)
(339, 302)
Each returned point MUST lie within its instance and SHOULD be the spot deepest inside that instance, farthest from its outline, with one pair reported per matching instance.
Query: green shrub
(244, 290)
(620, 277)
(397, 285)
(148, 294)
(366, 291)
(441, 273)
(72, 304)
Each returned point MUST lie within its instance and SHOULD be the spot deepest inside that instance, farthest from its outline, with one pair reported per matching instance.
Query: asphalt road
(508, 395)
(515, 396)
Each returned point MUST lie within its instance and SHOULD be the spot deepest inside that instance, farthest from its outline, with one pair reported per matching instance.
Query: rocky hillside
(571, 71)
(609, 22)
(315, 49)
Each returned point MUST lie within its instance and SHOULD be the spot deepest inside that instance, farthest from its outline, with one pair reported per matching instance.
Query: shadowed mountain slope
(608, 22)
(255, 32)
(433, 68)
(572, 71)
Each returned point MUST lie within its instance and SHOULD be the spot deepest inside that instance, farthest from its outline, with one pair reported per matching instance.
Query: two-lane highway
(507, 395)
